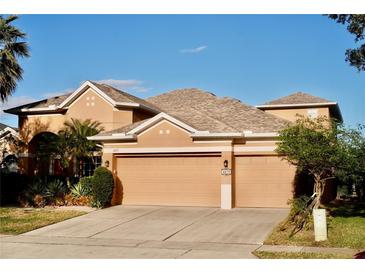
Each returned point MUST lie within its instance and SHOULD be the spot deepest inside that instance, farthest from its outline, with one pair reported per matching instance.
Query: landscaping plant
(35, 190)
(86, 184)
(55, 189)
(326, 150)
(78, 190)
(102, 186)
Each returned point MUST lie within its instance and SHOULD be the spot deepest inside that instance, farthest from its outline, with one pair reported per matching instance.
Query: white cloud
(194, 50)
(14, 101)
(127, 85)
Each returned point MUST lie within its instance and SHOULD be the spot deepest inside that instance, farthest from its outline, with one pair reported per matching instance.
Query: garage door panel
(262, 181)
(193, 181)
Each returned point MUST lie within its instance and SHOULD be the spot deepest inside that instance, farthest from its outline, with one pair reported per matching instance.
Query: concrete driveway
(149, 232)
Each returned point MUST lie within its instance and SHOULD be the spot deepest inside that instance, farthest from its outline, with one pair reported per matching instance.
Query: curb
(308, 249)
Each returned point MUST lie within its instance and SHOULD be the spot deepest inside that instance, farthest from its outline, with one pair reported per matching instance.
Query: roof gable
(6, 130)
(298, 98)
(113, 96)
(158, 118)
(84, 87)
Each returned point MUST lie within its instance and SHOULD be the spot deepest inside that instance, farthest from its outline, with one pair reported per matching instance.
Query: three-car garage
(195, 180)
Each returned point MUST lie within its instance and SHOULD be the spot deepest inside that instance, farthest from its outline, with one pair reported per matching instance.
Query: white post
(320, 225)
(226, 196)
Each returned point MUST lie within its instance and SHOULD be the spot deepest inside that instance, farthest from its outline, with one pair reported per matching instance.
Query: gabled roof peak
(298, 97)
(60, 103)
(188, 91)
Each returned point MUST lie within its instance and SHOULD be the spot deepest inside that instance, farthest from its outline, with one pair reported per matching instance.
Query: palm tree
(76, 133)
(10, 49)
(71, 142)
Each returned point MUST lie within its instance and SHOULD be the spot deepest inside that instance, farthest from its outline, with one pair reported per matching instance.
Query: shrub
(102, 185)
(78, 190)
(86, 184)
(55, 189)
(300, 214)
(55, 192)
(299, 204)
(39, 201)
(37, 188)
(77, 201)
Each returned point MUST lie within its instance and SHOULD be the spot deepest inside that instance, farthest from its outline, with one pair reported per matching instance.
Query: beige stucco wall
(33, 124)
(121, 118)
(164, 134)
(291, 114)
(91, 106)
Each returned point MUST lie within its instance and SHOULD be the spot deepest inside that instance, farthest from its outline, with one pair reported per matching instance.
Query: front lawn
(299, 255)
(346, 228)
(19, 220)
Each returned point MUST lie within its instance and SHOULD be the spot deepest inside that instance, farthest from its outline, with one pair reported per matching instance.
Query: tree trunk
(319, 186)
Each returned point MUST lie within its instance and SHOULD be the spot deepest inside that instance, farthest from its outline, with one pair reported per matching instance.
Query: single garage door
(262, 181)
(173, 180)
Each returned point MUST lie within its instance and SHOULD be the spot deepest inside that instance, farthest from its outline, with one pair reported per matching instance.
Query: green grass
(15, 221)
(299, 255)
(346, 228)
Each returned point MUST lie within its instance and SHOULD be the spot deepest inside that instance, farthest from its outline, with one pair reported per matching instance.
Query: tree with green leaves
(321, 147)
(352, 174)
(71, 141)
(12, 47)
(355, 25)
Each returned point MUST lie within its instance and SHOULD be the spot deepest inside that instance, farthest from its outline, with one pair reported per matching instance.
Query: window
(89, 165)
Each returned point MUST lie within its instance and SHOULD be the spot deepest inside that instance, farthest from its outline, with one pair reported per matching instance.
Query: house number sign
(226, 171)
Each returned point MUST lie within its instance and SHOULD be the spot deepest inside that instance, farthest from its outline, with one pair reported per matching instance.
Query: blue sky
(254, 58)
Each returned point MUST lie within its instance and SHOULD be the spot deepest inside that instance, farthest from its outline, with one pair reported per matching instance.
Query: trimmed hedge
(102, 186)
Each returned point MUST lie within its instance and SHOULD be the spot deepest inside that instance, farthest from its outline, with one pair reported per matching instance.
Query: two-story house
(184, 147)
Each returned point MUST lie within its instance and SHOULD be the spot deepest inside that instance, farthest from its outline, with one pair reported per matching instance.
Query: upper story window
(312, 113)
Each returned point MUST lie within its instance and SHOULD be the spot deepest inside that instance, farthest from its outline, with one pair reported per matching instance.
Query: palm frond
(11, 48)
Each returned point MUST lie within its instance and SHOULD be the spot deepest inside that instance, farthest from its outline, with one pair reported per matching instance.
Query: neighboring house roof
(5, 130)
(297, 98)
(302, 99)
(3, 126)
(208, 114)
(60, 103)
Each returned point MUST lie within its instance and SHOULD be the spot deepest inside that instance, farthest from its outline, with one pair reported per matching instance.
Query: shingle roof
(297, 98)
(56, 100)
(123, 129)
(3, 126)
(121, 96)
(205, 111)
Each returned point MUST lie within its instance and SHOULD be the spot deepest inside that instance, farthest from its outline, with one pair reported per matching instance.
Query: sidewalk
(308, 249)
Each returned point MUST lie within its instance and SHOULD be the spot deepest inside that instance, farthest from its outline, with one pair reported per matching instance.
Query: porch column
(226, 179)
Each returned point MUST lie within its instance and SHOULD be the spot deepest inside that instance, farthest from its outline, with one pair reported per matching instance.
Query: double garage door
(170, 180)
(259, 181)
